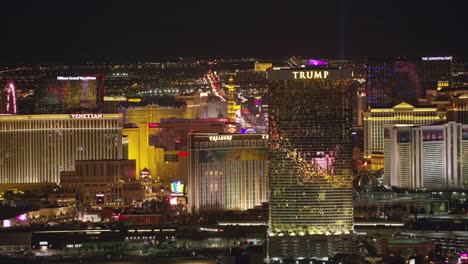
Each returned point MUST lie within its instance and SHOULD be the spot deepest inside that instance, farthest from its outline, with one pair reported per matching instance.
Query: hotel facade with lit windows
(310, 190)
(36, 148)
(431, 157)
(227, 171)
(140, 123)
(403, 113)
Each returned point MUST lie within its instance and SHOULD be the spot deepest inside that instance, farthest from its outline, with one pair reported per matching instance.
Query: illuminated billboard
(441, 84)
(439, 207)
(433, 135)
(173, 200)
(262, 67)
(178, 187)
(73, 92)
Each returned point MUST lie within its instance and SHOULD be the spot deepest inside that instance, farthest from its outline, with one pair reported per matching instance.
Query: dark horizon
(47, 32)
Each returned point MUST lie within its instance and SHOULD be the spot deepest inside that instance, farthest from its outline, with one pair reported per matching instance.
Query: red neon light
(11, 94)
(153, 125)
(183, 154)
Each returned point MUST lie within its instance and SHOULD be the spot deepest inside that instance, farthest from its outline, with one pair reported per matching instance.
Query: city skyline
(234, 132)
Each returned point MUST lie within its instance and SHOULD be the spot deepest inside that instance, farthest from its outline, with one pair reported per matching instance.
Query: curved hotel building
(227, 171)
(36, 148)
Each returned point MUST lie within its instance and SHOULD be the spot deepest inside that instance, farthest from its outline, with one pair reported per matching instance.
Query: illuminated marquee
(262, 67)
(217, 138)
(134, 100)
(310, 74)
(86, 116)
(115, 98)
(443, 83)
(437, 58)
(304, 74)
(75, 78)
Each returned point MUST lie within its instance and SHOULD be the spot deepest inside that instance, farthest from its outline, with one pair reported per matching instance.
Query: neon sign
(217, 138)
(305, 74)
(134, 100)
(75, 78)
(115, 98)
(310, 74)
(442, 83)
(21, 218)
(437, 58)
(11, 94)
(153, 125)
(86, 116)
(173, 200)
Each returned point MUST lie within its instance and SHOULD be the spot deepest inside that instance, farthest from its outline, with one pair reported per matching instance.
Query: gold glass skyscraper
(310, 153)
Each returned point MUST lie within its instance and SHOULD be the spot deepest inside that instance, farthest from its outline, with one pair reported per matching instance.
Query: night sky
(38, 31)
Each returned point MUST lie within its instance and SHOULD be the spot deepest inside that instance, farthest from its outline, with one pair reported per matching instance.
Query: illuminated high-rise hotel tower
(36, 148)
(311, 211)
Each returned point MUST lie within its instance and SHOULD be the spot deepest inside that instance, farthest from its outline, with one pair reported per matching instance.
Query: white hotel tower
(403, 113)
(433, 157)
(36, 148)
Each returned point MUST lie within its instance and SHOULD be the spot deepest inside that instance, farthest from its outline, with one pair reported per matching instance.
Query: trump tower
(310, 152)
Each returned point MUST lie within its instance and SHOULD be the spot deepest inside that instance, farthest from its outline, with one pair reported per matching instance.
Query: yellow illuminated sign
(86, 116)
(442, 84)
(134, 100)
(262, 67)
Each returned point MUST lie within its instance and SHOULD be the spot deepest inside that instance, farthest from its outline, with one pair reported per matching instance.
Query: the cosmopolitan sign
(75, 78)
(86, 116)
(306, 74)
(444, 58)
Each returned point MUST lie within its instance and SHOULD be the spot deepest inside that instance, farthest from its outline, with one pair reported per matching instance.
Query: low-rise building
(104, 183)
